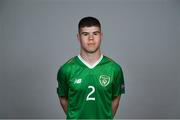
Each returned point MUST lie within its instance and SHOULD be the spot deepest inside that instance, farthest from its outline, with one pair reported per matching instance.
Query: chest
(99, 78)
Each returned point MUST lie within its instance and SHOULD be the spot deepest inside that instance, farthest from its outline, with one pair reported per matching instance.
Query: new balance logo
(77, 81)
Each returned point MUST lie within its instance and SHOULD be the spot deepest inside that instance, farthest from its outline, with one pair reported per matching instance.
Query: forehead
(90, 29)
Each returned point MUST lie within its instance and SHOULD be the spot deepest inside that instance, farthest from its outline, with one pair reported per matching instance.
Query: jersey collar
(87, 64)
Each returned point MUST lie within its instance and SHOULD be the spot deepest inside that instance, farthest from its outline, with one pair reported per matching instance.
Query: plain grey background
(38, 36)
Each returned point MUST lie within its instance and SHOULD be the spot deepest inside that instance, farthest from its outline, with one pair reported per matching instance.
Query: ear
(78, 37)
(101, 35)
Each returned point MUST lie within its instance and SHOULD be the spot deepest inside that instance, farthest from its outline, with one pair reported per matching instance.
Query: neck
(91, 58)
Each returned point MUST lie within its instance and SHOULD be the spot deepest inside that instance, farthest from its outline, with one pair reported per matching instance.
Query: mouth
(91, 44)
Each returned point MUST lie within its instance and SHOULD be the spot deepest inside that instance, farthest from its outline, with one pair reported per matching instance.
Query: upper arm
(115, 104)
(64, 103)
(118, 82)
(116, 98)
(62, 89)
(63, 100)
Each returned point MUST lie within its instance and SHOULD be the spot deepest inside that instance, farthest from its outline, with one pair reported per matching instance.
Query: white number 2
(92, 91)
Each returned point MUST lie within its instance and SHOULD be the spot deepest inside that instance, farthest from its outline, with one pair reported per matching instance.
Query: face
(90, 39)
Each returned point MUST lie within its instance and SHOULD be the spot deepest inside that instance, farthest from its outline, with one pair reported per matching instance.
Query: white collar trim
(87, 64)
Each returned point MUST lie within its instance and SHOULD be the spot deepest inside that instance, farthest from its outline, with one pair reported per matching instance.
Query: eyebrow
(96, 32)
(89, 32)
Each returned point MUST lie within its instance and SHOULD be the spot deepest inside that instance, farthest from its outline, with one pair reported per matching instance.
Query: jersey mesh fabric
(90, 91)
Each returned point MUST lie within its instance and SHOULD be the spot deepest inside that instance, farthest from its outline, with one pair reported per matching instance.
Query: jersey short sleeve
(62, 89)
(118, 87)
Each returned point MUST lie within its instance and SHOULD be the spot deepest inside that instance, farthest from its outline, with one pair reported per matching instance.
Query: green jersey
(90, 89)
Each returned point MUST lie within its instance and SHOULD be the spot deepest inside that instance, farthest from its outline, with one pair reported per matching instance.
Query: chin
(92, 51)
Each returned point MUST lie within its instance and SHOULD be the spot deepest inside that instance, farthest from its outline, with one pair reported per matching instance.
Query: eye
(95, 33)
(84, 33)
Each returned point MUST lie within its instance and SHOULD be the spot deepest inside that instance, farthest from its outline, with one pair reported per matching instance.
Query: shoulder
(67, 65)
(112, 62)
(115, 67)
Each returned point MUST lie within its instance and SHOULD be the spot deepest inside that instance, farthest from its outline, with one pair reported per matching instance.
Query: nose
(91, 37)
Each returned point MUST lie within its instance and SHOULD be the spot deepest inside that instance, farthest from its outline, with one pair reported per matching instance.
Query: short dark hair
(88, 22)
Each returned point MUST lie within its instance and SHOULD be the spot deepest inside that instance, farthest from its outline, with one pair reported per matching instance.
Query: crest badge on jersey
(104, 80)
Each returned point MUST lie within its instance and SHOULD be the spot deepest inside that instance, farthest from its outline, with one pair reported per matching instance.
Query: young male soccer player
(90, 84)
